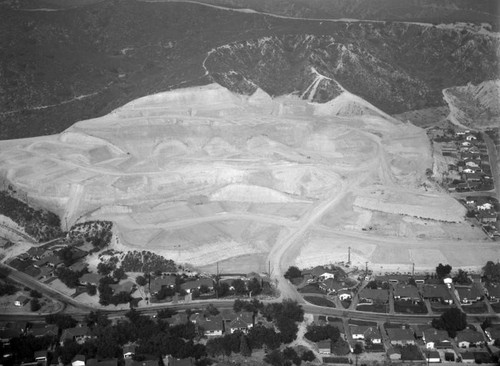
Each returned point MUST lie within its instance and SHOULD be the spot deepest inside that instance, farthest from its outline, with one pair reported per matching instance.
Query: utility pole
(366, 269)
(413, 270)
(349, 255)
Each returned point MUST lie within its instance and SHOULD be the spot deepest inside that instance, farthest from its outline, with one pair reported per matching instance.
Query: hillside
(60, 67)
(475, 106)
(426, 11)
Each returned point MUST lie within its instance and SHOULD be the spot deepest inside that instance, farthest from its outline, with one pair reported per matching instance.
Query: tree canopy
(443, 270)
(452, 320)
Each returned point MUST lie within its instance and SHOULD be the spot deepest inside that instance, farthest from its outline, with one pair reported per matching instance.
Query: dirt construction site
(203, 176)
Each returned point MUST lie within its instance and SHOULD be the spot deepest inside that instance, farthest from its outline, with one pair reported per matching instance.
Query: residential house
(242, 322)
(172, 361)
(90, 279)
(364, 332)
(436, 338)
(52, 261)
(212, 326)
(123, 286)
(344, 295)
(41, 356)
(406, 293)
(486, 216)
(432, 356)
(468, 357)
(94, 362)
(400, 336)
(7, 334)
(21, 300)
(418, 330)
(470, 294)
(78, 360)
(437, 293)
(36, 252)
(78, 266)
(471, 138)
(177, 319)
(159, 282)
(129, 350)
(468, 337)
(45, 272)
(373, 296)
(79, 334)
(331, 285)
(325, 346)
(38, 330)
(493, 292)
(141, 363)
(394, 354)
(190, 286)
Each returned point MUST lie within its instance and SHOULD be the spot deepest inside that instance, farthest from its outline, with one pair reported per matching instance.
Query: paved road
(493, 155)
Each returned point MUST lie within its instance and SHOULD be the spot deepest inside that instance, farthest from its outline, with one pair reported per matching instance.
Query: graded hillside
(88, 57)
(202, 175)
(476, 106)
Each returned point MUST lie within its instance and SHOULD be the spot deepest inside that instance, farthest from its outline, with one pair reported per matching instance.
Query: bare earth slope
(476, 106)
(202, 175)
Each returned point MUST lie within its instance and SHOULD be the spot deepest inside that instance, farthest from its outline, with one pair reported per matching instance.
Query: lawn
(373, 308)
(476, 308)
(496, 306)
(407, 307)
(311, 289)
(320, 301)
(440, 308)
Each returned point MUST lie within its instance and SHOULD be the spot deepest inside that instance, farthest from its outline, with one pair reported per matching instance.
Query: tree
(254, 286)
(63, 321)
(35, 304)
(410, 352)
(288, 329)
(97, 318)
(119, 274)
(91, 289)
(274, 358)
(462, 278)
(453, 320)
(308, 356)
(210, 309)
(443, 270)
(492, 272)
(35, 293)
(341, 347)
(245, 349)
(221, 289)
(105, 268)
(293, 272)
(239, 286)
(141, 281)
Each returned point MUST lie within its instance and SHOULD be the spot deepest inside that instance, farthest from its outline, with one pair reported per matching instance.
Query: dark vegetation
(452, 320)
(42, 225)
(428, 11)
(399, 67)
(491, 272)
(147, 262)
(156, 338)
(96, 232)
